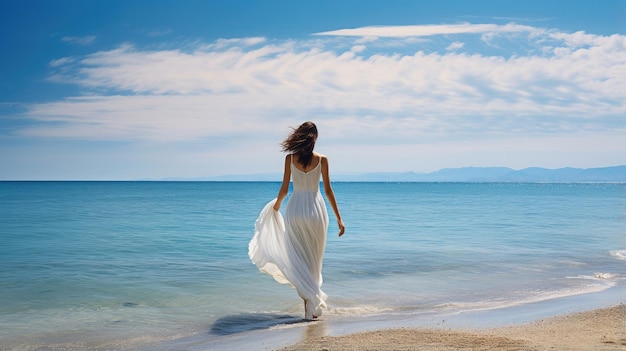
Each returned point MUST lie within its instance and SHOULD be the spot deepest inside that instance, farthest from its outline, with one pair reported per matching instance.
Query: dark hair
(301, 142)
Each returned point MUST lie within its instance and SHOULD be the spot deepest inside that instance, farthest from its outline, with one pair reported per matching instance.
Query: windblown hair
(301, 142)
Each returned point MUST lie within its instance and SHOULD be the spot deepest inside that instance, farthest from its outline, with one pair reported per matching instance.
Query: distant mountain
(465, 174)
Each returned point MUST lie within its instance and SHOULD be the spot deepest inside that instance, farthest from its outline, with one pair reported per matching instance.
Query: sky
(126, 90)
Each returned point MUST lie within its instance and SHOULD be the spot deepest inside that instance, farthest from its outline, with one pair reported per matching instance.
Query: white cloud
(578, 83)
(578, 39)
(358, 48)
(241, 94)
(144, 118)
(455, 46)
(235, 42)
(430, 30)
(61, 62)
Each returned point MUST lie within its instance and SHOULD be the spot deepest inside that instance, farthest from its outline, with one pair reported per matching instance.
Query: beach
(600, 329)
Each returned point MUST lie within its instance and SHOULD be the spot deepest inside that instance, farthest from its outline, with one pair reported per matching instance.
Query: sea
(153, 265)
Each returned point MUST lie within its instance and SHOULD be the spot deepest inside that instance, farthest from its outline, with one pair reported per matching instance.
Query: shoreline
(603, 313)
(599, 329)
(595, 321)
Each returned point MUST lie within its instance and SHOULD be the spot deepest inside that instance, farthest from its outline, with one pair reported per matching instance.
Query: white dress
(291, 249)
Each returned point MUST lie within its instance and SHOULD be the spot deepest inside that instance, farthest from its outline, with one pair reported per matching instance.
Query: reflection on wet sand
(313, 330)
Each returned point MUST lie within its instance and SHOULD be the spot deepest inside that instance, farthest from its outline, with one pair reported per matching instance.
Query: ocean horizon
(146, 265)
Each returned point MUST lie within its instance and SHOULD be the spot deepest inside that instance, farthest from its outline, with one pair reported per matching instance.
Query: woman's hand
(342, 227)
(276, 206)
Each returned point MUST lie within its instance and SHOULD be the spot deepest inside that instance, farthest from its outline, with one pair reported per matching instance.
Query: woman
(291, 250)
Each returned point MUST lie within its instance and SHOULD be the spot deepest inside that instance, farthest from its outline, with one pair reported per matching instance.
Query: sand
(602, 329)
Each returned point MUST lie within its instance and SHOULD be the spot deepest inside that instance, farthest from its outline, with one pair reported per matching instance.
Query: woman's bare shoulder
(320, 155)
(323, 158)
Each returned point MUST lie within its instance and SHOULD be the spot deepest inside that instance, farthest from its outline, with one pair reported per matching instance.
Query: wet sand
(601, 329)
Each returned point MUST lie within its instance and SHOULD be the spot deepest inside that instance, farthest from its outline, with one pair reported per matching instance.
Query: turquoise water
(138, 265)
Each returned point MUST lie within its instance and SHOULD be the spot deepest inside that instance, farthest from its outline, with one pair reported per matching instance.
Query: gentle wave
(607, 276)
(619, 254)
(530, 297)
(584, 284)
(358, 310)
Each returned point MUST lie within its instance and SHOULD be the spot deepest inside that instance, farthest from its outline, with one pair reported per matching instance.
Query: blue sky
(154, 89)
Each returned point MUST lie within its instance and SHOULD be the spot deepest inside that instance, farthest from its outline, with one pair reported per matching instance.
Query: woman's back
(309, 180)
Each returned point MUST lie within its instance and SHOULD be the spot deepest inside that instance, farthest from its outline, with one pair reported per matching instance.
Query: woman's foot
(308, 314)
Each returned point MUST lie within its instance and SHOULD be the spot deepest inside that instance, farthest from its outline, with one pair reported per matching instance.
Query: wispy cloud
(86, 40)
(430, 30)
(457, 45)
(61, 62)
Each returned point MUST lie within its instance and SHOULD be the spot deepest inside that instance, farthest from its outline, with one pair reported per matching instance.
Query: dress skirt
(291, 249)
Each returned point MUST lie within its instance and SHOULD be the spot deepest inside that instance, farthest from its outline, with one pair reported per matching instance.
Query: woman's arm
(284, 188)
(330, 195)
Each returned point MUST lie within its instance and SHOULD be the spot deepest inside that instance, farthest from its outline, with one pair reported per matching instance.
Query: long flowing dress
(291, 249)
